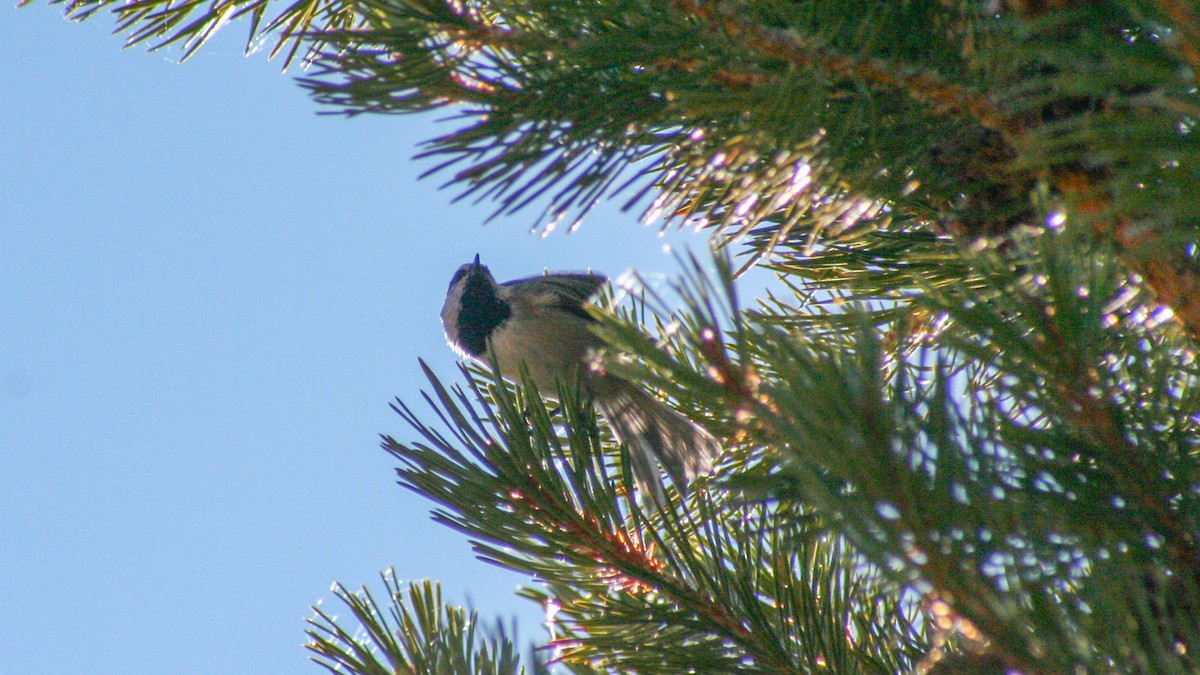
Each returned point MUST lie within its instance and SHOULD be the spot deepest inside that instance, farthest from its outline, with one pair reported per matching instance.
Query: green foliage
(798, 115)
(572, 102)
(960, 432)
(933, 109)
(1047, 491)
(417, 634)
(1120, 101)
(712, 583)
(164, 23)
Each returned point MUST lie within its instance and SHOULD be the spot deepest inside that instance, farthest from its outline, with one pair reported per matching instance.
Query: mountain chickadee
(541, 322)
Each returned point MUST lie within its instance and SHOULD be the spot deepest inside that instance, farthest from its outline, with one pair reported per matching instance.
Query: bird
(540, 324)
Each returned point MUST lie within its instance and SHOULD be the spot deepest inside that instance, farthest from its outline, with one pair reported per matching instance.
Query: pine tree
(961, 434)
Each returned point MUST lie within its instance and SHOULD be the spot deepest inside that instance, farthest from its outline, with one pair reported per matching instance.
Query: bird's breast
(551, 343)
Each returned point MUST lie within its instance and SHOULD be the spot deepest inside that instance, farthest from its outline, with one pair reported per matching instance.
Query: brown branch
(1187, 25)
(1161, 265)
(1174, 285)
(628, 557)
(924, 86)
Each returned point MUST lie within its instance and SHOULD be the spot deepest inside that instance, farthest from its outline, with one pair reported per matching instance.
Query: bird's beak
(477, 260)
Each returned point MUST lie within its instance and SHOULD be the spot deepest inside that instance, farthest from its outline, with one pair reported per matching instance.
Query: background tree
(963, 438)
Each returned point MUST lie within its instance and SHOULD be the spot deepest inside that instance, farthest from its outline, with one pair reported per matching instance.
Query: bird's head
(473, 309)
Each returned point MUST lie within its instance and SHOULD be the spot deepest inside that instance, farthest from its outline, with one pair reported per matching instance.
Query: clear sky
(208, 296)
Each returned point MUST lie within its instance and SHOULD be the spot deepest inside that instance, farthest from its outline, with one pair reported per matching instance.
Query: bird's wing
(565, 291)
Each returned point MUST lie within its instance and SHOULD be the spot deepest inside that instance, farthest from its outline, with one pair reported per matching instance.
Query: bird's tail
(655, 433)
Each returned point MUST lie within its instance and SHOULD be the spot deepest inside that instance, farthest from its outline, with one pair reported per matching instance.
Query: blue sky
(210, 295)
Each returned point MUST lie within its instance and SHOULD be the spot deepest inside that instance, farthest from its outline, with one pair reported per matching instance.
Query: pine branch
(925, 86)
(1027, 117)
(165, 23)
(729, 587)
(1173, 278)
(1108, 121)
(926, 109)
(1033, 494)
(1187, 22)
(418, 633)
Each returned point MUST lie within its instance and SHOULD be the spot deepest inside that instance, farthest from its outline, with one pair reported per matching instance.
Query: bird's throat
(482, 312)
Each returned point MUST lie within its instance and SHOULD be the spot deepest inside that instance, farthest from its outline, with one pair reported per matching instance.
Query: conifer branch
(1051, 322)
(1187, 27)
(969, 594)
(1098, 419)
(1089, 182)
(922, 85)
(1176, 284)
(418, 634)
(625, 561)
